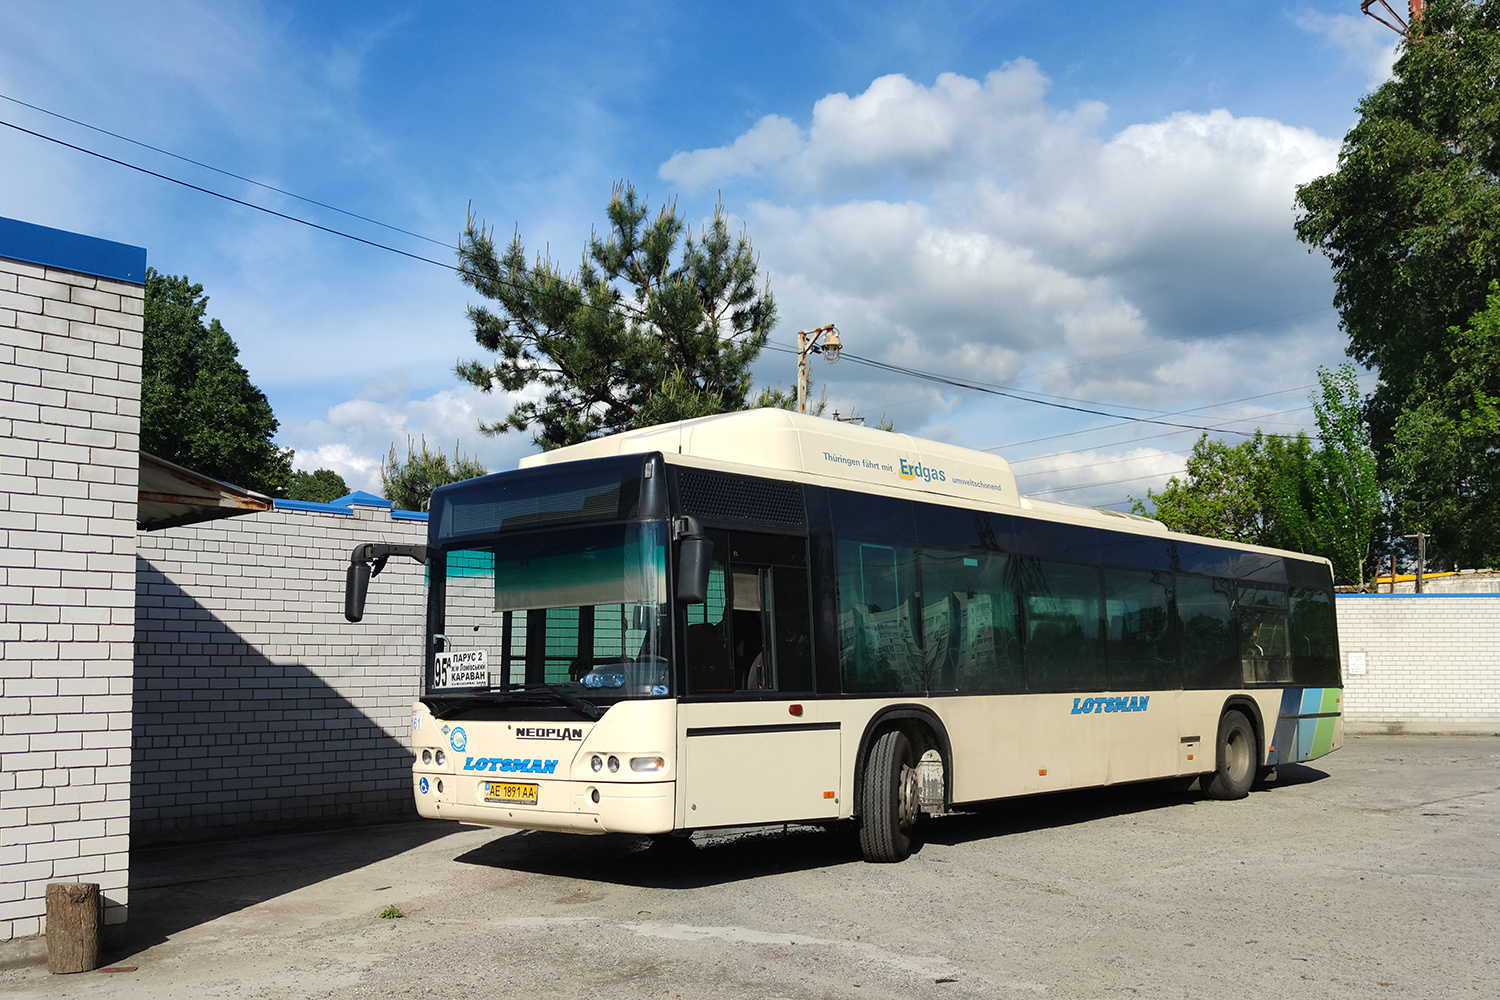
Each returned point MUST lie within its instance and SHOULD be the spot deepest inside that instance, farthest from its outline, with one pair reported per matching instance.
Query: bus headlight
(647, 763)
(426, 756)
(596, 763)
(440, 757)
(614, 763)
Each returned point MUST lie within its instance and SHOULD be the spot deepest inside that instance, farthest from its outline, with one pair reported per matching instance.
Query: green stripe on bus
(1323, 739)
(1331, 699)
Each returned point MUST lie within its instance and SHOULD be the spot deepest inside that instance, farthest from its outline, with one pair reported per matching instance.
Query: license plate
(505, 791)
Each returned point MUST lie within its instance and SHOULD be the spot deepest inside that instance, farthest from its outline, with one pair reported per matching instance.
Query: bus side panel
(1022, 744)
(752, 762)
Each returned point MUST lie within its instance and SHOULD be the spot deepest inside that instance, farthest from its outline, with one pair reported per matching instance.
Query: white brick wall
(1432, 662)
(70, 373)
(256, 704)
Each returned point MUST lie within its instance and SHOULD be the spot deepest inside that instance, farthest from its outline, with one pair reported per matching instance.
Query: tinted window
(1205, 612)
(791, 629)
(1265, 635)
(1140, 638)
(877, 594)
(969, 621)
(1061, 602)
(1315, 645)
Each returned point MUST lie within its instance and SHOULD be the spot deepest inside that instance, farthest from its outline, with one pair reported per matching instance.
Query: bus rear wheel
(890, 799)
(1237, 759)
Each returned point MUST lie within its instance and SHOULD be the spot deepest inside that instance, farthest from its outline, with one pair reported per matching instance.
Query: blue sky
(1063, 198)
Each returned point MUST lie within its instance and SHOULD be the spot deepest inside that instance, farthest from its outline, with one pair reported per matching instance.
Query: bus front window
(582, 609)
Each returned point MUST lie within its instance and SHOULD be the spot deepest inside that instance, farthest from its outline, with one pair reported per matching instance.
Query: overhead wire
(1046, 399)
(226, 173)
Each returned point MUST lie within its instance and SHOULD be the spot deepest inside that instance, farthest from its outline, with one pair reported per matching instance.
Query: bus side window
(1063, 649)
(969, 622)
(1265, 641)
(877, 589)
(1315, 658)
(1140, 638)
(1205, 612)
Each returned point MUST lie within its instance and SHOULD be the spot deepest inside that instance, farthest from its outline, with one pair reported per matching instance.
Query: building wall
(257, 705)
(1432, 662)
(70, 372)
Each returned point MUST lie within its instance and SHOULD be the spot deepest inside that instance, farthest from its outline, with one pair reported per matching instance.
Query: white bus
(762, 618)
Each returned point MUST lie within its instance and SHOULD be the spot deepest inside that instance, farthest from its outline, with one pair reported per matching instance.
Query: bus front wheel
(1236, 760)
(890, 799)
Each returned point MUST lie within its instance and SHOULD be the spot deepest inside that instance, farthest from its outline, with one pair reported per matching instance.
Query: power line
(1148, 437)
(1111, 482)
(226, 173)
(991, 390)
(1127, 421)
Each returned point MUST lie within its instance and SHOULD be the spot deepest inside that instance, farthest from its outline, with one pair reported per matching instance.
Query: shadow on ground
(724, 857)
(175, 888)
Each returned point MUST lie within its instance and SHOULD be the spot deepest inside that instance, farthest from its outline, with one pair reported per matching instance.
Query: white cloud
(970, 228)
(1365, 42)
(356, 435)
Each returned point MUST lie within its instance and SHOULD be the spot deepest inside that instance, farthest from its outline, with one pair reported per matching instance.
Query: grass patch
(391, 913)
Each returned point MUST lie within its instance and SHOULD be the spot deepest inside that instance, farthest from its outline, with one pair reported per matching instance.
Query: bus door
(751, 745)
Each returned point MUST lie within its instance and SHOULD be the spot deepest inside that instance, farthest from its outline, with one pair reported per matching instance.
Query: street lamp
(807, 343)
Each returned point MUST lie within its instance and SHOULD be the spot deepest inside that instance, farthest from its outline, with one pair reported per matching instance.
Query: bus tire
(1237, 759)
(890, 799)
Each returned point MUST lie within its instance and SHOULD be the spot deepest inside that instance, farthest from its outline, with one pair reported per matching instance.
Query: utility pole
(1421, 538)
(807, 343)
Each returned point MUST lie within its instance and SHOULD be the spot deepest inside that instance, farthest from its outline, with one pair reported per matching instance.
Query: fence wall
(70, 374)
(1431, 662)
(256, 704)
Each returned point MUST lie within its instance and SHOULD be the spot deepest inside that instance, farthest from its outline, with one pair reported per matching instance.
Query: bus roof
(814, 449)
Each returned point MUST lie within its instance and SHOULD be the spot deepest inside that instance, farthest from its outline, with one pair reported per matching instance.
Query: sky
(1090, 204)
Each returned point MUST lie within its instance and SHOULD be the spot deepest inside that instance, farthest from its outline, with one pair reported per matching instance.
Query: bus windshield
(577, 612)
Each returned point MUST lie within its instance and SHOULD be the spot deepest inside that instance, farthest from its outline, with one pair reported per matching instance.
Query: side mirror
(695, 555)
(368, 560)
(356, 586)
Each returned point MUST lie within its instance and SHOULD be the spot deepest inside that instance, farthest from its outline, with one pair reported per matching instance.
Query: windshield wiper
(496, 695)
(585, 708)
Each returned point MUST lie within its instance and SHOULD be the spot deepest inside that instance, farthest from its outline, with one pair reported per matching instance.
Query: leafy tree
(322, 486)
(408, 485)
(1257, 491)
(1283, 492)
(1446, 452)
(655, 325)
(198, 407)
(1346, 503)
(1409, 217)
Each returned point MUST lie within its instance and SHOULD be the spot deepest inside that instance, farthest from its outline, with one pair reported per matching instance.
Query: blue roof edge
(48, 247)
(343, 509)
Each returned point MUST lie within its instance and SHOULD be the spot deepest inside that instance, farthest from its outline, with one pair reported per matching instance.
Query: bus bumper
(564, 806)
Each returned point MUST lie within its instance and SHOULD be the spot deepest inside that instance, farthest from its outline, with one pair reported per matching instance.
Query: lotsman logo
(511, 765)
(916, 470)
(1098, 706)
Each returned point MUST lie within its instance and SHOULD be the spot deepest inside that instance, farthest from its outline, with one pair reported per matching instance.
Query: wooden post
(72, 926)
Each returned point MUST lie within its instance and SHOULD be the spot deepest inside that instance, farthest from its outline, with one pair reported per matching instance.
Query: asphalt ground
(1374, 872)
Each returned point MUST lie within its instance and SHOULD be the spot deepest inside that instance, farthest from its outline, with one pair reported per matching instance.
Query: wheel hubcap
(906, 804)
(1237, 756)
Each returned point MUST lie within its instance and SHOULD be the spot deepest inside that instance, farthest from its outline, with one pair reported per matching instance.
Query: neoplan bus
(762, 617)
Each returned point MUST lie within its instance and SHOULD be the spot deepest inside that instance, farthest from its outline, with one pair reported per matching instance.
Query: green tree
(655, 325)
(322, 486)
(1258, 491)
(198, 407)
(408, 484)
(1409, 217)
(1446, 452)
(1346, 503)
